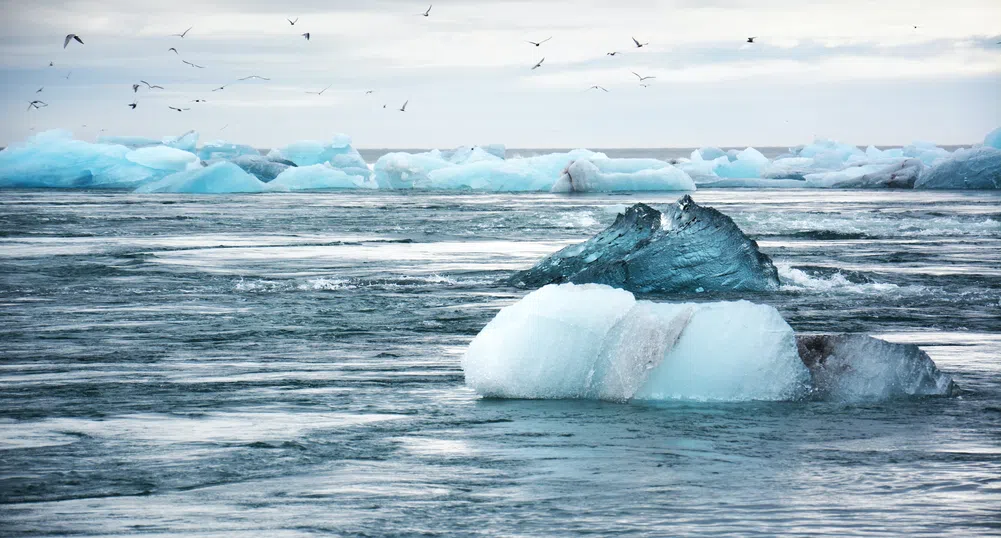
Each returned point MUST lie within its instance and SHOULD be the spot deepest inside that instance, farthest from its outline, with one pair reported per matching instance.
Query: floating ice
(929, 153)
(685, 248)
(896, 175)
(993, 139)
(53, 159)
(978, 168)
(225, 150)
(402, 170)
(338, 153)
(610, 175)
(597, 342)
(219, 178)
(260, 167)
(789, 168)
(316, 177)
(187, 141)
(748, 164)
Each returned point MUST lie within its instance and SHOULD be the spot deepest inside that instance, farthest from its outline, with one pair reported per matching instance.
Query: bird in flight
(540, 42)
(37, 104)
(538, 65)
(71, 37)
(67, 77)
(642, 78)
(151, 86)
(135, 88)
(428, 12)
(597, 88)
(172, 49)
(199, 101)
(306, 35)
(404, 107)
(292, 22)
(182, 34)
(193, 65)
(178, 109)
(751, 39)
(254, 76)
(133, 104)
(645, 85)
(638, 44)
(220, 88)
(611, 53)
(39, 90)
(369, 92)
(321, 91)
(51, 64)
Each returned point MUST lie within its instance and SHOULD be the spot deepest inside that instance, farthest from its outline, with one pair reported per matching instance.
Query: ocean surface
(288, 365)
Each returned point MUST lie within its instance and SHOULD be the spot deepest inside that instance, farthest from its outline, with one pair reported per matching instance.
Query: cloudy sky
(852, 70)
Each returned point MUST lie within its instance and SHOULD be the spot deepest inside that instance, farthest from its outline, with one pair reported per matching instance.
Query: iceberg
(338, 153)
(929, 153)
(187, 141)
(993, 139)
(219, 178)
(468, 155)
(514, 175)
(597, 342)
(898, 175)
(978, 168)
(260, 167)
(853, 367)
(53, 159)
(612, 175)
(225, 150)
(403, 170)
(789, 168)
(317, 177)
(686, 248)
(747, 164)
(164, 158)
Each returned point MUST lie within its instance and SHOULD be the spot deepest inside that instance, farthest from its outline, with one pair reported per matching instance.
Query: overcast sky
(853, 70)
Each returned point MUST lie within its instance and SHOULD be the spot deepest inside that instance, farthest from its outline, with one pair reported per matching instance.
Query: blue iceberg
(978, 168)
(993, 139)
(622, 175)
(261, 167)
(219, 178)
(225, 150)
(338, 152)
(318, 177)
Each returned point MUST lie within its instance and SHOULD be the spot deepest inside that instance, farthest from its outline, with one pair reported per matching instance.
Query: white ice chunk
(611, 175)
(402, 170)
(338, 152)
(219, 178)
(220, 149)
(164, 158)
(748, 164)
(187, 141)
(891, 173)
(317, 177)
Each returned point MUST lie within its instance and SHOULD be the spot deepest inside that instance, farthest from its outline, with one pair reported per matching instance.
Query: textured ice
(853, 367)
(514, 175)
(220, 149)
(596, 342)
(187, 141)
(610, 175)
(685, 248)
(978, 168)
(993, 139)
(789, 168)
(317, 177)
(164, 158)
(53, 159)
(748, 164)
(468, 155)
(262, 168)
(338, 152)
(402, 170)
(929, 153)
(219, 178)
(892, 173)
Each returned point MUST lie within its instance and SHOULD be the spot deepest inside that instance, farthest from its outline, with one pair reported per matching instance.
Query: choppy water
(288, 365)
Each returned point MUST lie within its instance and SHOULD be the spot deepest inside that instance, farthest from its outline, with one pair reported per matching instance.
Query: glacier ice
(993, 139)
(220, 149)
(685, 248)
(218, 178)
(894, 174)
(977, 168)
(402, 170)
(316, 177)
(852, 367)
(610, 175)
(596, 342)
(338, 152)
(748, 164)
(262, 168)
(187, 141)
(164, 158)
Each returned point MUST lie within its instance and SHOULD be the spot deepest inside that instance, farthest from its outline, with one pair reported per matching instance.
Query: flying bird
(37, 104)
(641, 78)
(751, 39)
(597, 88)
(638, 44)
(193, 65)
(51, 64)
(182, 34)
(71, 37)
(178, 109)
(404, 107)
(133, 105)
(151, 86)
(611, 53)
(67, 77)
(306, 35)
(254, 76)
(538, 65)
(292, 22)
(369, 92)
(220, 88)
(172, 49)
(321, 91)
(644, 85)
(199, 101)
(540, 42)
(39, 90)
(428, 12)
(135, 88)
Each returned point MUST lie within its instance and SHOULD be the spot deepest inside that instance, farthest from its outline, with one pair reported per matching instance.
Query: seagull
(751, 39)
(306, 35)
(540, 42)
(641, 78)
(71, 37)
(199, 101)
(193, 65)
(645, 85)
(292, 22)
(383, 106)
(36, 103)
(172, 49)
(220, 88)
(321, 91)
(638, 44)
(597, 88)
(538, 65)
(178, 109)
(369, 92)
(133, 105)
(182, 34)
(135, 88)
(150, 86)
(67, 77)
(39, 90)
(404, 107)
(51, 64)
(611, 53)
(254, 76)
(428, 12)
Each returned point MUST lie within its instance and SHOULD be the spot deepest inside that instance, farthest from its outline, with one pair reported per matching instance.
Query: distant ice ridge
(595, 342)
